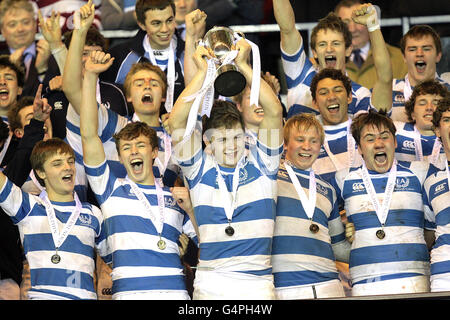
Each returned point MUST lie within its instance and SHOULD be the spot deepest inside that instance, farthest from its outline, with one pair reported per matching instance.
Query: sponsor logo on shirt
(408, 144)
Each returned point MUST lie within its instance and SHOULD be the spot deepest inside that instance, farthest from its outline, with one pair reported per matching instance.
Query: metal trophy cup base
(229, 82)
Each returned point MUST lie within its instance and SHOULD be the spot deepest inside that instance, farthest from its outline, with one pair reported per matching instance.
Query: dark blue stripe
(305, 277)
(61, 278)
(389, 253)
(229, 249)
(440, 267)
(149, 283)
(145, 258)
(302, 245)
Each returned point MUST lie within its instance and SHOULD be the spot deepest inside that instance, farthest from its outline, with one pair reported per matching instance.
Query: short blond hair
(303, 121)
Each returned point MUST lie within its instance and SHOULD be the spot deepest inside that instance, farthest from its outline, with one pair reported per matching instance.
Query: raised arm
(195, 29)
(93, 152)
(180, 111)
(382, 90)
(291, 38)
(270, 127)
(51, 30)
(72, 75)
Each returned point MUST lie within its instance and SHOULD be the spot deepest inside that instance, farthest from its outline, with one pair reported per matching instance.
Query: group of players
(272, 202)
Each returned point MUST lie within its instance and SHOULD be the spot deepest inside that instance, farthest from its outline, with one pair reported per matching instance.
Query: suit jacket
(32, 82)
(367, 76)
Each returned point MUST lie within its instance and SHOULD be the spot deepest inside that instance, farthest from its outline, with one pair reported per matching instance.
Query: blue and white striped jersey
(406, 148)
(399, 98)
(248, 251)
(300, 257)
(299, 74)
(138, 264)
(73, 276)
(336, 136)
(403, 251)
(437, 199)
(109, 123)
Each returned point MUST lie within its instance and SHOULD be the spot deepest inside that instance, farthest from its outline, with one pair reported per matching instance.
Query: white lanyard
(59, 238)
(382, 210)
(418, 150)
(170, 70)
(350, 150)
(158, 223)
(5, 146)
(229, 203)
(407, 90)
(308, 203)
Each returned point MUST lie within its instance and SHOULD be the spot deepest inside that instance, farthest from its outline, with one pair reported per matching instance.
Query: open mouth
(420, 66)
(259, 111)
(68, 177)
(147, 98)
(304, 155)
(380, 157)
(137, 165)
(330, 61)
(334, 108)
(4, 94)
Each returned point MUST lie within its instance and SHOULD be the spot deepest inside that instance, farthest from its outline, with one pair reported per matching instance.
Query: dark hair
(331, 22)
(20, 73)
(223, 114)
(372, 118)
(13, 113)
(142, 6)
(443, 106)
(133, 130)
(93, 38)
(332, 74)
(426, 87)
(418, 32)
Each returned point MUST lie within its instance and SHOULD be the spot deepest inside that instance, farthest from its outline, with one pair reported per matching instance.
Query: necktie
(357, 59)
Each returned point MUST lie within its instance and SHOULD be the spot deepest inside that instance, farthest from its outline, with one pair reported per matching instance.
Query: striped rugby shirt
(403, 252)
(299, 73)
(110, 123)
(399, 98)
(437, 200)
(138, 264)
(73, 277)
(300, 257)
(248, 251)
(406, 148)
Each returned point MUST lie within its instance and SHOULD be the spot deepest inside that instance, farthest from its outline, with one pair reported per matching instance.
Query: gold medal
(314, 228)
(161, 244)
(56, 258)
(380, 234)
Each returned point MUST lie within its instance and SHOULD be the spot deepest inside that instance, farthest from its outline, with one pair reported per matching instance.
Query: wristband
(373, 23)
(57, 50)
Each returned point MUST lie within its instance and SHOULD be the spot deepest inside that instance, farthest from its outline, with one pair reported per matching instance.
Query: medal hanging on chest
(59, 237)
(381, 210)
(157, 220)
(229, 201)
(308, 203)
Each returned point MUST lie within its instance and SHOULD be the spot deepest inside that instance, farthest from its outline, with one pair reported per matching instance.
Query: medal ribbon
(229, 203)
(308, 203)
(350, 149)
(59, 238)
(158, 223)
(170, 70)
(382, 210)
(418, 144)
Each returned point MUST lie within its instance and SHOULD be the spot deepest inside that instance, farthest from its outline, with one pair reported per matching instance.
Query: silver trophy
(229, 81)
